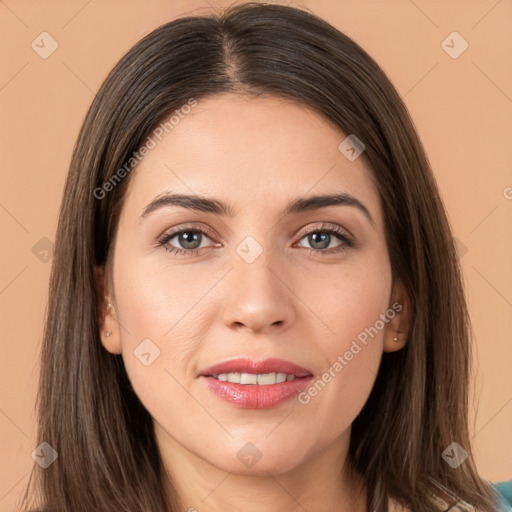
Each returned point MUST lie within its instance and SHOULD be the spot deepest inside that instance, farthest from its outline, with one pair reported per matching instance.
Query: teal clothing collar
(504, 490)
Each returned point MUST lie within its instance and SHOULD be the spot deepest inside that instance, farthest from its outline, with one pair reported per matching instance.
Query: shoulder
(504, 490)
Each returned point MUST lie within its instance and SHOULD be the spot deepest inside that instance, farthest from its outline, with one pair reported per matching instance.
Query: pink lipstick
(250, 384)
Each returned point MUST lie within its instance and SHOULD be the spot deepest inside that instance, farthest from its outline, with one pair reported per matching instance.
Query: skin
(256, 154)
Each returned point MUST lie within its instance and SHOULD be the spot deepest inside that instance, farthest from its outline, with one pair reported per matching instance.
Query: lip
(254, 396)
(246, 365)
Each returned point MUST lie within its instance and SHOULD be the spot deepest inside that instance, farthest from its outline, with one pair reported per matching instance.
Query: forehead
(248, 150)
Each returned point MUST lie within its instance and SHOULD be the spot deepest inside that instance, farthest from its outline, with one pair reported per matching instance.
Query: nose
(258, 296)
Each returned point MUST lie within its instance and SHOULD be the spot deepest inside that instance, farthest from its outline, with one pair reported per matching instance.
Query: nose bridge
(256, 296)
(255, 267)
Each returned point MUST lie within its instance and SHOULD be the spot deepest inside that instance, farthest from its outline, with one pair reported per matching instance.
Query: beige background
(462, 108)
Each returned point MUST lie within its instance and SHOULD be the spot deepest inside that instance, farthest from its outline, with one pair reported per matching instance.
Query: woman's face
(264, 281)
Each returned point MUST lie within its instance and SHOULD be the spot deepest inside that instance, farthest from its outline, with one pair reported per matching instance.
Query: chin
(261, 456)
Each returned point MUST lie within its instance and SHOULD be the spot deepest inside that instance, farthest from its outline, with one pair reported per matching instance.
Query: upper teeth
(262, 379)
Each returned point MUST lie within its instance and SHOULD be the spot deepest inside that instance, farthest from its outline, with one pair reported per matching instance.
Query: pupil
(313, 239)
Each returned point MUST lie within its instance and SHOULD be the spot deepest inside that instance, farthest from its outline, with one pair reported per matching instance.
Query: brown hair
(87, 410)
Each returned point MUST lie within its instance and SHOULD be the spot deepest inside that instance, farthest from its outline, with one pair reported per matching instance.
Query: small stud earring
(395, 339)
(109, 306)
(108, 333)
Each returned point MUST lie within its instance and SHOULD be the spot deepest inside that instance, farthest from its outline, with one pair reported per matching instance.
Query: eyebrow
(211, 205)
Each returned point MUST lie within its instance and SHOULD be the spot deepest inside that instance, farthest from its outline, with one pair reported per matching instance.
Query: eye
(321, 238)
(190, 240)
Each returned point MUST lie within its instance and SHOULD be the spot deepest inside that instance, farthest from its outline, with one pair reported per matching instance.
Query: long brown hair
(87, 410)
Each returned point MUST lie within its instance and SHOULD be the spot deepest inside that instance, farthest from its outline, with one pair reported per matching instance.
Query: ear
(110, 334)
(398, 327)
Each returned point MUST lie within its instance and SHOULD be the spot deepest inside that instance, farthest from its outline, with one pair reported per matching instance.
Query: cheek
(163, 322)
(159, 300)
(347, 299)
(351, 303)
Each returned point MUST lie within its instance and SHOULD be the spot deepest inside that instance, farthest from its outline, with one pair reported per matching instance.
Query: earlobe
(397, 330)
(110, 335)
(397, 342)
(108, 325)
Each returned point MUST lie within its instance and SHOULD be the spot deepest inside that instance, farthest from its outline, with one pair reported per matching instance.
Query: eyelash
(324, 228)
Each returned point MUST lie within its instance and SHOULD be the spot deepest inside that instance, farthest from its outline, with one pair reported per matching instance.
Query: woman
(255, 301)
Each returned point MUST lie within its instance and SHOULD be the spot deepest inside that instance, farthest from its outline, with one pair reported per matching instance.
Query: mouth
(250, 384)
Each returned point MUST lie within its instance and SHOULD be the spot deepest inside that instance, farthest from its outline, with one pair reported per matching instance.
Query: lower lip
(252, 396)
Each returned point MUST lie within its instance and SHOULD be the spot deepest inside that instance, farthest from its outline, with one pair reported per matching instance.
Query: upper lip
(246, 365)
